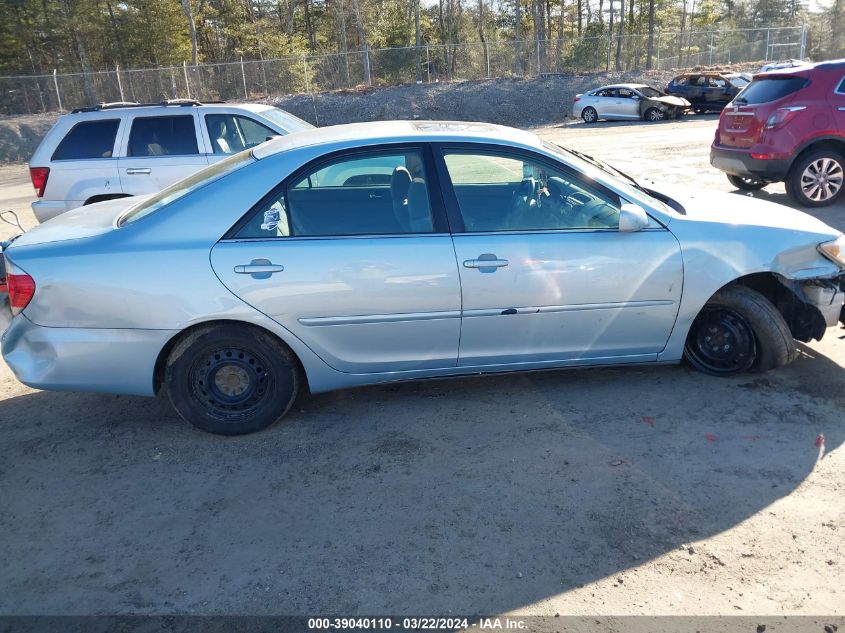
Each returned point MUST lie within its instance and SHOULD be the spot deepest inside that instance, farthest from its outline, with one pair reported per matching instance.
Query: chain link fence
(256, 79)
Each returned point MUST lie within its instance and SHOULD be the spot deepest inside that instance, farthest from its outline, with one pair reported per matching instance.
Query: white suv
(125, 149)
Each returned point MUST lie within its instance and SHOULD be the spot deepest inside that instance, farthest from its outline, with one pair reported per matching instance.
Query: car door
(552, 278)
(837, 102)
(628, 103)
(158, 151)
(84, 162)
(353, 256)
(695, 89)
(717, 91)
(603, 101)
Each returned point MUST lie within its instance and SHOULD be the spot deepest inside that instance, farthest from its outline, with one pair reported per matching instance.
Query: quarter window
(378, 193)
(91, 139)
(230, 133)
(507, 192)
(163, 136)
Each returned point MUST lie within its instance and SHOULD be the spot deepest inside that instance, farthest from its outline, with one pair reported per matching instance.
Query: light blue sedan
(379, 252)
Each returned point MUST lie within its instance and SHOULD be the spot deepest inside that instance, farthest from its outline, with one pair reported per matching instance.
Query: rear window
(770, 89)
(89, 139)
(184, 187)
(163, 136)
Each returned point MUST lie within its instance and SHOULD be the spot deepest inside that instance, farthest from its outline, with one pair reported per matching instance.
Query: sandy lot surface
(615, 491)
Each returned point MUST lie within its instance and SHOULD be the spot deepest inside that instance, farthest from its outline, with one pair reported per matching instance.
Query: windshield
(650, 92)
(286, 120)
(184, 187)
(622, 181)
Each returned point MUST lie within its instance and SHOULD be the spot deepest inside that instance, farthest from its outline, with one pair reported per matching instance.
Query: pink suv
(787, 126)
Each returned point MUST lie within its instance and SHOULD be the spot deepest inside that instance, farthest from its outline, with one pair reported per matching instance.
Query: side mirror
(632, 218)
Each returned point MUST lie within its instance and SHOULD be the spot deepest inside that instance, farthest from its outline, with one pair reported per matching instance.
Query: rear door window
(89, 139)
(770, 89)
(163, 136)
(371, 193)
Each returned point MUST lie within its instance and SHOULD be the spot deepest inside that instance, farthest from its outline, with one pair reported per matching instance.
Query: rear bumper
(80, 359)
(48, 209)
(738, 162)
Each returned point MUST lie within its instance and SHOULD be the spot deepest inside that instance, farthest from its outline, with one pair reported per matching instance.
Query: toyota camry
(378, 252)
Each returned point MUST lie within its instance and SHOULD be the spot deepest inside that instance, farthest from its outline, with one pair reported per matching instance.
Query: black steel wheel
(231, 379)
(738, 330)
(721, 342)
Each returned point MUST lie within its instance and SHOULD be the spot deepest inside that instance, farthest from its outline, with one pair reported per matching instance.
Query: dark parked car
(787, 126)
(707, 91)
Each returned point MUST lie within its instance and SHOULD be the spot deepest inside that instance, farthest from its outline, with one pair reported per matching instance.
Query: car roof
(377, 132)
(629, 86)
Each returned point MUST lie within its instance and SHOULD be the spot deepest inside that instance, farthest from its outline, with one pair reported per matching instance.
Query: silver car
(621, 102)
(380, 252)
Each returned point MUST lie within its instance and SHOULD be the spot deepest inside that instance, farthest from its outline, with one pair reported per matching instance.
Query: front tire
(589, 115)
(817, 179)
(654, 115)
(739, 330)
(745, 183)
(231, 379)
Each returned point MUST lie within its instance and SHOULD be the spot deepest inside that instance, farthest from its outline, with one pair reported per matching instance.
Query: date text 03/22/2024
(418, 624)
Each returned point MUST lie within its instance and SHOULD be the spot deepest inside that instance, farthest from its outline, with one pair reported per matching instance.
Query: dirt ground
(653, 490)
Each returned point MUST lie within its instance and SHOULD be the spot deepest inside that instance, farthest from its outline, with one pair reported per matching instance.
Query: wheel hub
(230, 381)
(822, 179)
(722, 342)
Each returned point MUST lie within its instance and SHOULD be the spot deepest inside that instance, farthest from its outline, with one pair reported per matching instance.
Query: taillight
(38, 175)
(577, 98)
(21, 287)
(782, 116)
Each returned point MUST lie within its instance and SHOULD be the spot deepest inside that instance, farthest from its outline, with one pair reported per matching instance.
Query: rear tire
(826, 164)
(739, 330)
(231, 379)
(589, 115)
(746, 184)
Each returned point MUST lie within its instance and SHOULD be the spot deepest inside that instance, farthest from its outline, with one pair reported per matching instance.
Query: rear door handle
(132, 171)
(376, 196)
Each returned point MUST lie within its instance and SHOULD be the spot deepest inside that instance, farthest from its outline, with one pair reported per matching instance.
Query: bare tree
(517, 63)
(481, 34)
(362, 40)
(619, 37)
(192, 29)
(650, 45)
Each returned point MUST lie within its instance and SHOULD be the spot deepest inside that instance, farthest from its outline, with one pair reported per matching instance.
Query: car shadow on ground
(451, 496)
(687, 118)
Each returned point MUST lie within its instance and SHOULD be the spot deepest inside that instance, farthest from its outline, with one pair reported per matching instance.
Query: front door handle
(486, 263)
(259, 268)
(132, 171)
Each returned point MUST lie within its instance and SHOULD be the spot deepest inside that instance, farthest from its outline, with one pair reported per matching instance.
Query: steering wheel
(578, 199)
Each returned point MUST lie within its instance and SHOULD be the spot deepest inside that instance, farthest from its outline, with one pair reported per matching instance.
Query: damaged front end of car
(811, 297)
(672, 107)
